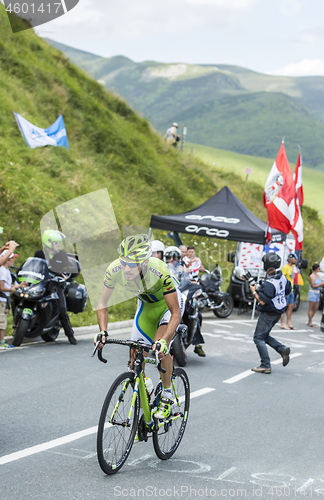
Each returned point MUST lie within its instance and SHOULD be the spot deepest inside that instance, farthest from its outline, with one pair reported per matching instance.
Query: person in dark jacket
(58, 263)
(272, 303)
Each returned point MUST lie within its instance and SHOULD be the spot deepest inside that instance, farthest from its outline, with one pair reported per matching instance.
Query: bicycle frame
(120, 417)
(140, 389)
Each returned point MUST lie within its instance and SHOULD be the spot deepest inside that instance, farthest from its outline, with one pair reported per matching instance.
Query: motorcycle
(36, 307)
(191, 319)
(221, 303)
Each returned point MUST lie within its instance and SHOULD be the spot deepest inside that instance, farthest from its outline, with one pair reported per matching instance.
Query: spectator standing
(272, 303)
(289, 270)
(171, 137)
(10, 246)
(5, 288)
(193, 264)
(313, 296)
(183, 250)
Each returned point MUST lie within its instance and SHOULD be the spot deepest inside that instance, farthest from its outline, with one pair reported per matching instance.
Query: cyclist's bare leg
(166, 362)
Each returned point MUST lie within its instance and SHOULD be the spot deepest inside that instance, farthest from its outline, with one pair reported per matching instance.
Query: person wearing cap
(289, 271)
(171, 137)
(313, 297)
(271, 298)
(4, 255)
(5, 288)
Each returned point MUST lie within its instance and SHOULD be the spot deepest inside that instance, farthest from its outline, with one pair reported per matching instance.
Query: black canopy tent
(222, 216)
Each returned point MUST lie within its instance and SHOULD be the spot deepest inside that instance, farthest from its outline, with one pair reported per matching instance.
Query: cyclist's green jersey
(149, 287)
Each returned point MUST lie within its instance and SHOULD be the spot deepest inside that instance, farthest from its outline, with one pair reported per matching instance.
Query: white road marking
(318, 350)
(218, 334)
(238, 377)
(27, 452)
(216, 323)
(278, 361)
(247, 373)
(305, 485)
(226, 473)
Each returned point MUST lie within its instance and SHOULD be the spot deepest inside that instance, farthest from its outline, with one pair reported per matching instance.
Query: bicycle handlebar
(141, 346)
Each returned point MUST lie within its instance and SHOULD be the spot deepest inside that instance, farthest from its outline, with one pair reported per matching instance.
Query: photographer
(271, 298)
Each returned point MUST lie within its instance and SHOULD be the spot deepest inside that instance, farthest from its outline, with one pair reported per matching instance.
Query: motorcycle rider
(158, 248)
(172, 257)
(58, 263)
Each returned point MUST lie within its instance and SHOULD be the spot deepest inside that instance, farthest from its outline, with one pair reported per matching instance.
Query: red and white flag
(297, 227)
(279, 194)
(298, 180)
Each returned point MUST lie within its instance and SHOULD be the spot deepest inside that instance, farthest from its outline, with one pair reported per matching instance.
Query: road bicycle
(120, 415)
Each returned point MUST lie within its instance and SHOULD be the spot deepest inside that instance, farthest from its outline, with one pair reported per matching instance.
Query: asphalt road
(248, 436)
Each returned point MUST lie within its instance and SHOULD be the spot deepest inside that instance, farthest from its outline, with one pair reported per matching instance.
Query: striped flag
(297, 227)
(279, 194)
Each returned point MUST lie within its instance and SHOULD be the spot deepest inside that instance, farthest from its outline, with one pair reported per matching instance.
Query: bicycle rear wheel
(168, 433)
(116, 431)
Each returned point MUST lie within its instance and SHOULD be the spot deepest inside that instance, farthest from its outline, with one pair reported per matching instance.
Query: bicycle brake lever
(95, 349)
(158, 362)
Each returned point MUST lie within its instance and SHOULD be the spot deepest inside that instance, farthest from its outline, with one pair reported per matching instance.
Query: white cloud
(306, 67)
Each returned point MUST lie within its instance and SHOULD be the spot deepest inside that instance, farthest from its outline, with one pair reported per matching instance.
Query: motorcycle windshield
(33, 271)
(179, 273)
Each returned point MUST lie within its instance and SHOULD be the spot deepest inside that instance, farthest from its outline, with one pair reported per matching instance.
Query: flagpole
(258, 278)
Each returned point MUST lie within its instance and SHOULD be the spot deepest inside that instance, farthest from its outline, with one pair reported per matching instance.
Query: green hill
(111, 147)
(222, 106)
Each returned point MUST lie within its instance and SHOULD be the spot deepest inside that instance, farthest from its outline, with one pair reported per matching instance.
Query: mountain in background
(223, 106)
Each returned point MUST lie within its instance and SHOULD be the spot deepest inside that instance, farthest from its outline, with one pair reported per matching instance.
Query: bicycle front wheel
(168, 433)
(117, 424)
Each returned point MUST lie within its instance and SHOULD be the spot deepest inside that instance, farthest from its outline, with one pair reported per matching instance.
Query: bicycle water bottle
(149, 386)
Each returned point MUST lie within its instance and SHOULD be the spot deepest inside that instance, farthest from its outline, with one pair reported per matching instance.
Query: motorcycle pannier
(76, 298)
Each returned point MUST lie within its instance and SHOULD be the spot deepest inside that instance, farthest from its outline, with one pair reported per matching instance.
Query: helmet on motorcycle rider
(172, 253)
(51, 236)
(157, 246)
(271, 260)
(135, 248)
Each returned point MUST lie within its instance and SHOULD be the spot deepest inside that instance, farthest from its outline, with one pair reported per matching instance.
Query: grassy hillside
(111, 147)
(223, 106)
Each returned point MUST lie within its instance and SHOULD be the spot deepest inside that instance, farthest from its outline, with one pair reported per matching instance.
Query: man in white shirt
(5, 288)
(193, 263)
(171, 137)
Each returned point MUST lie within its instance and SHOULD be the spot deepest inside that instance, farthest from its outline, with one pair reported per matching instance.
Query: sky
(282, 37)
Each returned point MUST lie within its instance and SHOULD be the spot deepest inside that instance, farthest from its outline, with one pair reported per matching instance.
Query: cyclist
(158, 313)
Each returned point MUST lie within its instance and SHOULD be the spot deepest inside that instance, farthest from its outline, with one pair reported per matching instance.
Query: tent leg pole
(258, 278)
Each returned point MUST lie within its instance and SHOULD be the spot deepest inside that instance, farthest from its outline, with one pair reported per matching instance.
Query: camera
(249, 278)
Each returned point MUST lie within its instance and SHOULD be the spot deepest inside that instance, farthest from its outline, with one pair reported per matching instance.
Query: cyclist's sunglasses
(131, 265)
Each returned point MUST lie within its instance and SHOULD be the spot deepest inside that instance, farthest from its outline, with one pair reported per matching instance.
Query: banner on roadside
(35, 137)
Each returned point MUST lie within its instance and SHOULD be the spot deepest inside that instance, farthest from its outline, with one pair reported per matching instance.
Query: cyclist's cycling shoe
(164, 408)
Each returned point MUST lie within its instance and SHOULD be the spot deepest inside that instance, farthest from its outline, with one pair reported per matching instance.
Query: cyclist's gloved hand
(162, 347)
(101, 337)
